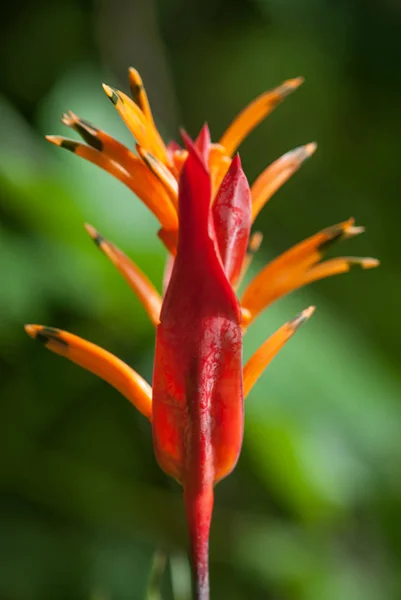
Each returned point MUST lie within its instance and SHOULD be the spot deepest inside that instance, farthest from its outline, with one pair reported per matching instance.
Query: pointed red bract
(173, 146)
(197, 385)
(197, 414)
(232, 218)
(202, 143)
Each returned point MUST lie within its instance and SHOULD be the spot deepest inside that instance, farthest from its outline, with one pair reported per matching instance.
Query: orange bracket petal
(139, 179)
(277, 174)
(255, 112)
(289, 271)
(91, 154)
(263, 356)
(219, 163)
(165, 176)
(143, 131)
(336, 266)
(101, 141)
(97, 361)
(137, 280)
(139, 94)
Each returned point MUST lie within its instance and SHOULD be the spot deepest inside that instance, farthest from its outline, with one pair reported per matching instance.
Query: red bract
(205, 208)
(232, 218)
(197, 380)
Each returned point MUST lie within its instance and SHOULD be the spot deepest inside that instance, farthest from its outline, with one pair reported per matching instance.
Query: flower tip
(63, 142)
(369, 263)
(353, 230)
(54, 139)
(310, 149)
(69, 118)
(94, 234)
(301, 318)
(205, 130)
(297, 81)
(48, 336)
(111, 93)
(246, 316)
(255, 241)
(192, 148)
(290, 85)
(31, 330)
(299, 155)
(91, 230)
(188, 141)
(136, 84)
(308, 312)
(133, 73)
(203, 140)
(236, 162)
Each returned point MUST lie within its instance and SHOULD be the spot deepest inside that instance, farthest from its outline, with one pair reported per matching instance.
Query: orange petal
(139, 94)
(178, 158)
(91, 154)
(277, 174)
(97, 361)
(336, 266)
(144, 132)
(139, 179)
(255, 112)
(287, 272)
(161, 172)
(101, 141)
(219, 163)
(137, 280)
(262, 357)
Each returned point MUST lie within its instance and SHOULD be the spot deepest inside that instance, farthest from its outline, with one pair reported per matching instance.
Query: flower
(205, 208)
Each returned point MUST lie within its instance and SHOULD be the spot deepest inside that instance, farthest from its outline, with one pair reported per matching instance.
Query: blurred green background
(313, 509)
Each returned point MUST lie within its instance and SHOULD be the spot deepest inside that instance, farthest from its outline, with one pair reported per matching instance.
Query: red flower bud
(197, 382)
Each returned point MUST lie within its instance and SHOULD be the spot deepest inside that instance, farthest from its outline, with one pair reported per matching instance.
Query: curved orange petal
(100, 140)
(137, 280)
(178, 158)
(263, 356)
(336, 266)
(97, 361)
(91, 154)
(139, 94)
(219, 163)
(277, 174)
(255, 112)
(143, 130)
(139, 179)
(161, 172)
(287, 272)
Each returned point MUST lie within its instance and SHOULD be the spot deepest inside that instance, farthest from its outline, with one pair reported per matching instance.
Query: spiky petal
(98, 361)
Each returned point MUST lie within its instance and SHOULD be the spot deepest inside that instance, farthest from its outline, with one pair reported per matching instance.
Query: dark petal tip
(69, 145)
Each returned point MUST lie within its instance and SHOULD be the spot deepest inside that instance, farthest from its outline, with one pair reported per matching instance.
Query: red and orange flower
(205, 208)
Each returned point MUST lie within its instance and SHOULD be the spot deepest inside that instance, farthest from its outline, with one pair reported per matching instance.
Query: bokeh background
(313, 509)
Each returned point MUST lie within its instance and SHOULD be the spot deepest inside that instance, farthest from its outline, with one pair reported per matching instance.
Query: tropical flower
(205, 208)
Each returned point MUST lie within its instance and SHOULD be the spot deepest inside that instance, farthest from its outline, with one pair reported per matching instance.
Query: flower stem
(199, 507)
